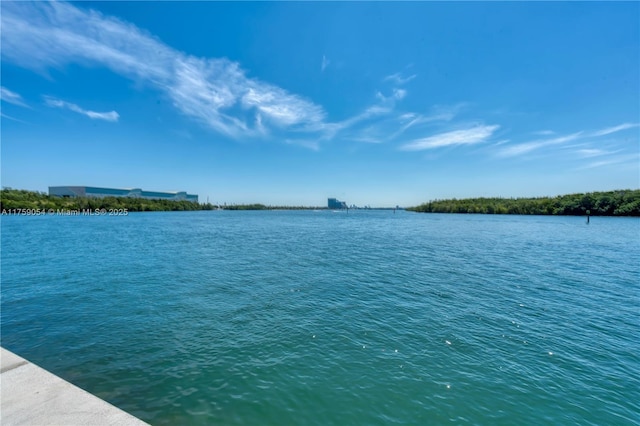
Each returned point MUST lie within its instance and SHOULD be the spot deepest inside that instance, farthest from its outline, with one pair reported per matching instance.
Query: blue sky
(290, 103)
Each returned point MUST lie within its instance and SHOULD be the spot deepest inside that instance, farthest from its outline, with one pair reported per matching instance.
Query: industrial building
(336, 204)
(90, 191)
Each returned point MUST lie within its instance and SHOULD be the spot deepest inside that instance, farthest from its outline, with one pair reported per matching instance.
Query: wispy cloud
(524, 148)
(413, 120)
(218, 93)
(469, 136)
(215, 91)
(613, 129)
(527, 147)
(618, 159)
(544, 133)
(399, 93)
(106, 116)
(594, 152)
(325, 63)
(396, 95)
(8, 117)
(280, 107)
(11, 97)
(399, 79)
(376, 111)
(367, 139)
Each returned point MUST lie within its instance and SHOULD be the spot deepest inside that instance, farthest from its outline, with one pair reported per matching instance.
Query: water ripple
(320, 318)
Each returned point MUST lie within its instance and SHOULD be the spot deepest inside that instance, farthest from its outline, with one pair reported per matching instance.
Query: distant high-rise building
(90, 191)
(336, 204)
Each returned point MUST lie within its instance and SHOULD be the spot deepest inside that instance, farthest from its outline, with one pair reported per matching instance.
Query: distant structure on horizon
(336, 204)
(91, 191)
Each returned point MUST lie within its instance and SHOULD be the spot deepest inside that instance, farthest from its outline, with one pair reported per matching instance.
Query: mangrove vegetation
(20, 199)
(609, 203)
(12, 200)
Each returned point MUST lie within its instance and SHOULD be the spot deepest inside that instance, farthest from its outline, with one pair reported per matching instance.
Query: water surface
(303, 317)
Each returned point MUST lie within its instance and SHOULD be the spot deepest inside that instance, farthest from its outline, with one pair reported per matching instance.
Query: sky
(290, 103)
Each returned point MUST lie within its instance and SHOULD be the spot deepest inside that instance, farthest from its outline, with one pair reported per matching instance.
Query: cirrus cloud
(112, 116)
(469, 136)
(613, 129)
(214, 91)
(11, 97)
(523, 148)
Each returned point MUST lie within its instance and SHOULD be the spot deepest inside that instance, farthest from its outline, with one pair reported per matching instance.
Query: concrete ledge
(31, 395)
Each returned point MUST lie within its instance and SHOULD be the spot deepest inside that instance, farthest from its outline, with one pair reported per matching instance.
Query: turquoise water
(317, 318)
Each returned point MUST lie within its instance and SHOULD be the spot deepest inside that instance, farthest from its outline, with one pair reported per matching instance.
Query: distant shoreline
(609, 203)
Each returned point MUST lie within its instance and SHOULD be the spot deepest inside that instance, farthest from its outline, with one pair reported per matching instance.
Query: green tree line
(23, 199)
(609, 203)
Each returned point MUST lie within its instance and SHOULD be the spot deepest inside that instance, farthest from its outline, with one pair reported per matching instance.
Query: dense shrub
(611, 203)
